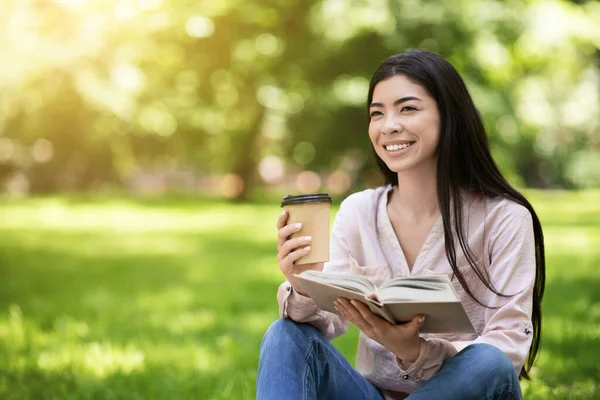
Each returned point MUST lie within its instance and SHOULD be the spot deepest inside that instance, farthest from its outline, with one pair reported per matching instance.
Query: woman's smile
(398, 149)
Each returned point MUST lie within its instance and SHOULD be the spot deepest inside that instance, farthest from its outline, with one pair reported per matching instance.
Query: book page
(350, 282)
(399, 293)
(417, 288)
(434, 280)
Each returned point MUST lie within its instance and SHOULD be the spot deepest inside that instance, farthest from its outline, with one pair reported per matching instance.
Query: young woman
(446, 210)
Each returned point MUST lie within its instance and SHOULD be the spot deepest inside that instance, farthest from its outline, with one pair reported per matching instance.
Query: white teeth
(396, 147)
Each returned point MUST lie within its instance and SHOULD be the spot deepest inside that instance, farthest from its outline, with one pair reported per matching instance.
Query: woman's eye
(375, 113)
(408, 108)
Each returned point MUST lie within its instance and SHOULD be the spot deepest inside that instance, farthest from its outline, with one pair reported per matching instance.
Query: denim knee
(491, 361)
(285, 331)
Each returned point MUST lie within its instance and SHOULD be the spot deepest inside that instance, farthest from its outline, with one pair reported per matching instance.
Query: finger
(356, 316)
(344, 312)
(418, 321)
(292, 244)
(414, 325)
(285, 232)
(339, 308)
(369, 316)
(282, 219)
(287, 264)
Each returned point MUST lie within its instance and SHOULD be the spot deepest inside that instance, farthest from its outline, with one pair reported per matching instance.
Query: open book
(397, 300)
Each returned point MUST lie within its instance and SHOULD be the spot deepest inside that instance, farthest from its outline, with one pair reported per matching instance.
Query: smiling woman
(446, 209)
(404, 125)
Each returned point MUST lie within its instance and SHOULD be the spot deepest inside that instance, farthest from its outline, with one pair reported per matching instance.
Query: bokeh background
(145, 144)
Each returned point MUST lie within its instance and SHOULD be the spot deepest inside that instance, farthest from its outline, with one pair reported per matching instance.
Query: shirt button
(289, 288)
(404, 376)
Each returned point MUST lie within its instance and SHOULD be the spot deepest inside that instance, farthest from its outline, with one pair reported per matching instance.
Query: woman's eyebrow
(397, 102)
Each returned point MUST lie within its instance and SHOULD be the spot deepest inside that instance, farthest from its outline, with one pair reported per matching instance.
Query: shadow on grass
(153, 382)
(197, 317)
(216, 270)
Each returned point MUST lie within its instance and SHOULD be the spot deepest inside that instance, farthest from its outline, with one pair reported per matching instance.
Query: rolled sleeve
(303, 309)
(293, 305)
(434, 353)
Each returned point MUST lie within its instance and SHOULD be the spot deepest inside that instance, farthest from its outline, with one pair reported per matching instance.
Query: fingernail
(354, 302)
(421, 320)
(297, 225)
(307, 238)
(307, 248)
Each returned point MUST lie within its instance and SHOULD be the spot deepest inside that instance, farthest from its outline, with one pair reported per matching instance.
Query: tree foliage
(92, 92)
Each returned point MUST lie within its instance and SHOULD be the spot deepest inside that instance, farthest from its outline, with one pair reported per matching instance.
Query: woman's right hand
(289, 250)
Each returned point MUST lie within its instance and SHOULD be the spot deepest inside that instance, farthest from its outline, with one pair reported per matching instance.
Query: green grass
(124, 299)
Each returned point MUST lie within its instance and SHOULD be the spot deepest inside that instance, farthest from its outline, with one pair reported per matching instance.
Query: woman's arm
(508, 321)
(300, 308)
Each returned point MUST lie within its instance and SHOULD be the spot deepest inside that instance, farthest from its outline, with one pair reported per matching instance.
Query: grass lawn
(124, 299)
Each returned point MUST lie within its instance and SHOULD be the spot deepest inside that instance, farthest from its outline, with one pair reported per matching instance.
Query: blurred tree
(93, 91)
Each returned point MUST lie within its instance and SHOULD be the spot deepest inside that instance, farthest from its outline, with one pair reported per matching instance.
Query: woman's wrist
(409, 353)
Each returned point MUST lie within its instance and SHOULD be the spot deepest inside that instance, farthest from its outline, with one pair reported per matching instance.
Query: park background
(145, 146)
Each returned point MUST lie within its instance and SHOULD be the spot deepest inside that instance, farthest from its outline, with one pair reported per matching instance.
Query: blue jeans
(297, 362)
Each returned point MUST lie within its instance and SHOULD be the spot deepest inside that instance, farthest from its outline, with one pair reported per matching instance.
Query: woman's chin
(411, 166)
(399, 167)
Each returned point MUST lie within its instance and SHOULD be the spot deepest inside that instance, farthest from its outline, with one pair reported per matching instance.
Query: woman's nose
(391, 125)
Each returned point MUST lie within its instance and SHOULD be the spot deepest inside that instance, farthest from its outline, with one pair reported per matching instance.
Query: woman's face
(404, 124)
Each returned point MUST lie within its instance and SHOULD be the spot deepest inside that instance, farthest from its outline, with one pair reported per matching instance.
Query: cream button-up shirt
(363, 242)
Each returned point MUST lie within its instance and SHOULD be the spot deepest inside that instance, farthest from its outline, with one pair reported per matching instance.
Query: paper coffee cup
(312, 210)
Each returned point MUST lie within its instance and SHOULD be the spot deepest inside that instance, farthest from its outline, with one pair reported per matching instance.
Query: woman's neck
(416, 194)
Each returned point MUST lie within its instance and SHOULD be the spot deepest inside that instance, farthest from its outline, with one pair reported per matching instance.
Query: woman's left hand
(402, 340)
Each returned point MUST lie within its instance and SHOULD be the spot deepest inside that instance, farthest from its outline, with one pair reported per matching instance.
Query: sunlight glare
(97, 359)
(42, 151)
(339, 182)
(128, 77)
(198, 26)
(124, 11)
(73, 3)
(150, 4)
(308, 182)
(232, 185)
(550, 24)
(351, 90)
(270, 96)
(271, 169)
(269, 45)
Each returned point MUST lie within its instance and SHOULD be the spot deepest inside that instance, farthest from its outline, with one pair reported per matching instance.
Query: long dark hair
(464, 162)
